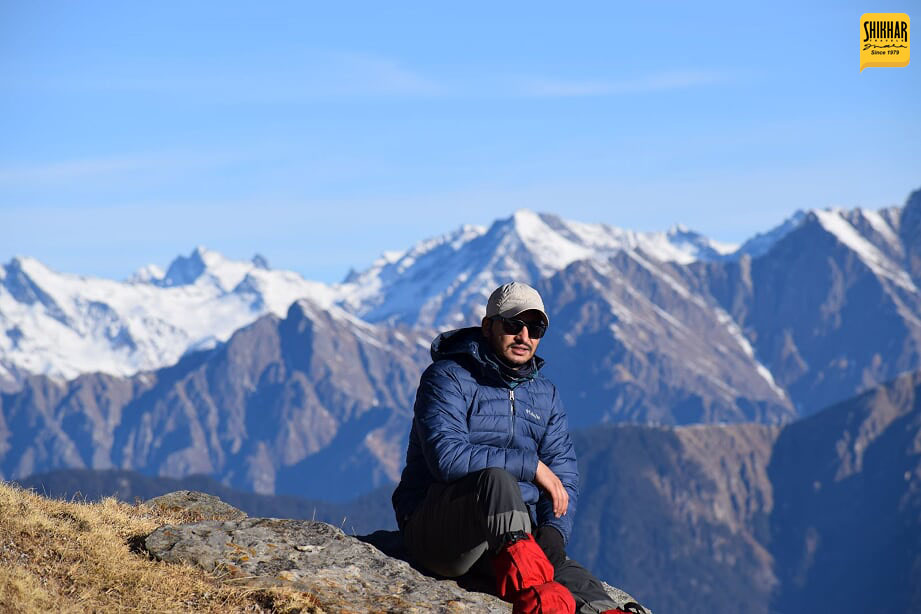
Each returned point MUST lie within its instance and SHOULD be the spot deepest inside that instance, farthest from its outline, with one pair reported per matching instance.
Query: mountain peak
(912, 211)
(150, 274)
(203, 265)
(184, 270)
(551, 242)
(260, 262)
(692, 245)
(531, 224)
(527, 220)
(442, 281)
(522, 223)
(844, 226)
(762, 242)
(27, 264)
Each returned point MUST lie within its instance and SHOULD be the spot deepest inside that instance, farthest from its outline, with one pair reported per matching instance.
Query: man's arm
(557, 452)
(441, 424)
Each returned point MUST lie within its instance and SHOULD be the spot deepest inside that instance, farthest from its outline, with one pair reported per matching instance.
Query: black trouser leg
(458, 522)
(589, 593)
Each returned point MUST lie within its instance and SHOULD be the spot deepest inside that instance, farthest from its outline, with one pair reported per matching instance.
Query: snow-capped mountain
(62, 325)
(445, 281)
(833, 305)
(872, 235)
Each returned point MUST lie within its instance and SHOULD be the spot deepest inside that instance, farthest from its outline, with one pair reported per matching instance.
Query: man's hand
(547, 480)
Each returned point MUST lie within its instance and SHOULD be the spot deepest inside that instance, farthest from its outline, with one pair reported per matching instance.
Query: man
(491, 479)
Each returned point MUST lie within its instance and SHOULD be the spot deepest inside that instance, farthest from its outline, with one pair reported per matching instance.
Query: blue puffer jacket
(468, 417)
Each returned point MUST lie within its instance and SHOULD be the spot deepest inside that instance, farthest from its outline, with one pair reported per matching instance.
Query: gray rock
(342, 572)
(208, 506)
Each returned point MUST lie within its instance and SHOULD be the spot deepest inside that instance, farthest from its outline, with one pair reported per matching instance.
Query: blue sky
(321, 136)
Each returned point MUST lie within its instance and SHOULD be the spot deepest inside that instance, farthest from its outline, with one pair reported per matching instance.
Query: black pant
(460, 524)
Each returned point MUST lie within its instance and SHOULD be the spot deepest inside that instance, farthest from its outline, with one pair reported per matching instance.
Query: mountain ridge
(810, 516)
(126, 327)
(266, 400)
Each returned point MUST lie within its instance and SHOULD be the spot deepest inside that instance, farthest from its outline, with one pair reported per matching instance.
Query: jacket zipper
(511, 401)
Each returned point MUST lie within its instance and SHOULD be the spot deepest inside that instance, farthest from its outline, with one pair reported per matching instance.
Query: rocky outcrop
(197, 503)
(342, 572)
(369, 512)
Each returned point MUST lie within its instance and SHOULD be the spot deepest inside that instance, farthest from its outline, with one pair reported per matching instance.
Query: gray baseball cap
(514, 298)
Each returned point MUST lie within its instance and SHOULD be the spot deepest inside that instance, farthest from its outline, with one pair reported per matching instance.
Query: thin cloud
(381, 75)
(312, 75)
(108, 166)
(303, 77)
(562, 88)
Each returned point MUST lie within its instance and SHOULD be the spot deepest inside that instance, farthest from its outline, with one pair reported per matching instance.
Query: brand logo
(885, 39)
(532, 415)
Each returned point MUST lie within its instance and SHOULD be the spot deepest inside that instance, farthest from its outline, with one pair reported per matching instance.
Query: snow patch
(147, 274)
(762, 242)
(736, 333)
(833, 222)
(881, 226)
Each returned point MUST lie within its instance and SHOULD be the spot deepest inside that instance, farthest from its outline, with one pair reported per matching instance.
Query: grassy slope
(77, 557)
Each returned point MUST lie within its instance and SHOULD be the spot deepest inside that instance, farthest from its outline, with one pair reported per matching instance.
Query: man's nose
(524, 334)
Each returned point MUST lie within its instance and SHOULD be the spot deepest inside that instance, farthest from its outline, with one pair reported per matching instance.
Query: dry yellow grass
(57, 556)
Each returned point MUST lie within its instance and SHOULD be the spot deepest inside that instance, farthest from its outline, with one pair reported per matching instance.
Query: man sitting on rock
(490, 458)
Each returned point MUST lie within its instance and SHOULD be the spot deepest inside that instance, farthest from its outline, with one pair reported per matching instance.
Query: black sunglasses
(513, 326)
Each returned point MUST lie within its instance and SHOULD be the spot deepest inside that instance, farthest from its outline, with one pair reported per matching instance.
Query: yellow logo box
(885, 39)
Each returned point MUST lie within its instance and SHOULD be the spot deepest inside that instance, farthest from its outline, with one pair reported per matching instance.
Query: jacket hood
(458, 343)
(468, 346)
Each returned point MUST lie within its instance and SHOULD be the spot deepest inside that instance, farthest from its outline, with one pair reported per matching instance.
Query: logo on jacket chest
(533, 415)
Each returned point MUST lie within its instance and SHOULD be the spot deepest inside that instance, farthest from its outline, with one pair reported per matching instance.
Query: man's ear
(484, 326)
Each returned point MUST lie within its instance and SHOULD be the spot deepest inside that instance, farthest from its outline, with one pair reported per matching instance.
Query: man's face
(515, 349)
